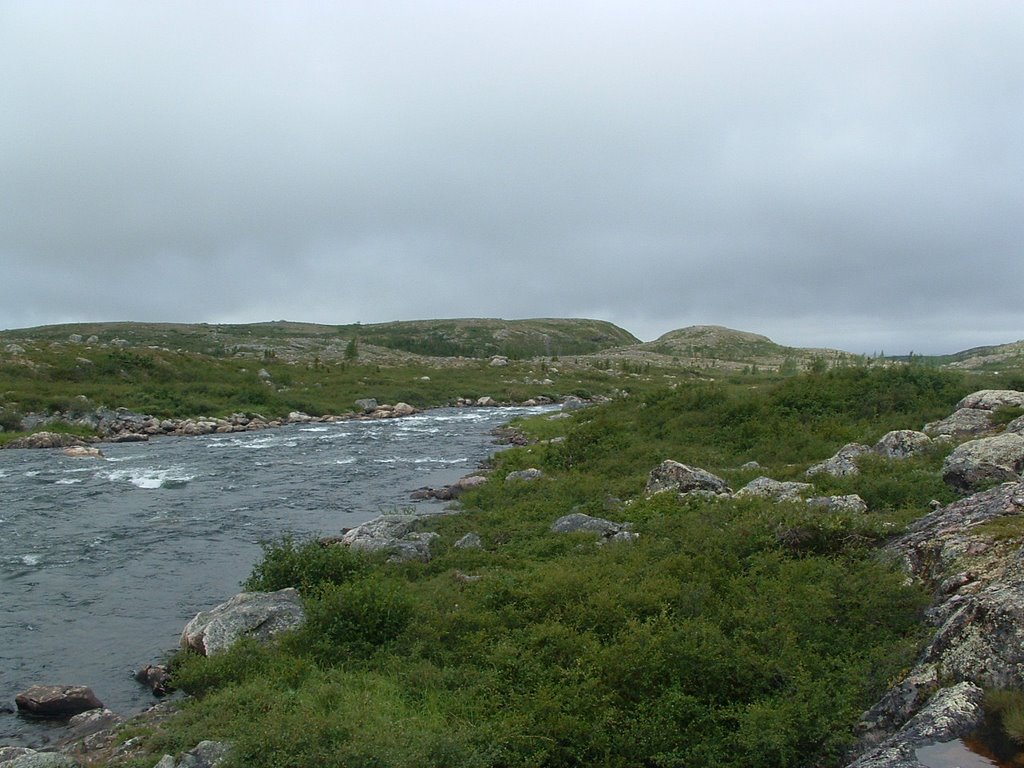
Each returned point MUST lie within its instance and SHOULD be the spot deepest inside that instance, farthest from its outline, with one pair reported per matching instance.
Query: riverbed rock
(776, 490)
(156, 677)
(990, 399)
(842, 464)
(262, 615)
(961, 423)
(366, 404)
(674, 476)
(573, 403)
(57, 700)
(46, 440)
(902, 444)
(82, 452)
(995, 459)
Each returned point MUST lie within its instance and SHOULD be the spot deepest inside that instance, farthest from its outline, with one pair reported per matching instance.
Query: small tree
(352, 349)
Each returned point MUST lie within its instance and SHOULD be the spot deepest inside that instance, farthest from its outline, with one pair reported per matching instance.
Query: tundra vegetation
(731, 632)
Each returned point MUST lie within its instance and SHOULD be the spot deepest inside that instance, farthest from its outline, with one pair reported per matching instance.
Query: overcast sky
(827, 173)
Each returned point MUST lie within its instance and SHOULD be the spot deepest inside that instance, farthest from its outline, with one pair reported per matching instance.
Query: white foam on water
(174, 477)
(30, 559)
(349, 460)
(33, 473)
(314, 429)
(68, 481)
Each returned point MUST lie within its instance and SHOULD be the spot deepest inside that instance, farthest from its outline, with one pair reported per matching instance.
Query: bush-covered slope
(716, 638)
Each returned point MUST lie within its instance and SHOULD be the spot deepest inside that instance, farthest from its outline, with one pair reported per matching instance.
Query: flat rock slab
(57, 700)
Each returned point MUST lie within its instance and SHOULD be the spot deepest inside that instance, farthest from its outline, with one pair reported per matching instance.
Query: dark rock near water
(156, 678)
(57, 700)
(262, 615)
(394, 534)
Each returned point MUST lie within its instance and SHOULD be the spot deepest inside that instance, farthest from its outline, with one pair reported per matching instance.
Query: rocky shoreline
(121, 425)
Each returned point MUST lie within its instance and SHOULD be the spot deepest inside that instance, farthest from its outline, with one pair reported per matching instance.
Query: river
(103, 561)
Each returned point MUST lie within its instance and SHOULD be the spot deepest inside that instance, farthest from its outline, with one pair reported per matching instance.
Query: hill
(719, 348)
(378, 342)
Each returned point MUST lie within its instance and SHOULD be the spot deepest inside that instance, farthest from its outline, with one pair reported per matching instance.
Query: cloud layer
(824, 173)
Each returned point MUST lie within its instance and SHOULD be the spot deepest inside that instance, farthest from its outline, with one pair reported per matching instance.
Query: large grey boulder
(532, 473)
(843, 463)
(262, 615)
(776, 490)
(962, 422)
(394, 534)
(673, 476)
(57, 700)
(990, 399)
(995, 459)
(902, 443)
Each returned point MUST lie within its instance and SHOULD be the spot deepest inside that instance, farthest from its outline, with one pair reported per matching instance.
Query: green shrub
(307, 566)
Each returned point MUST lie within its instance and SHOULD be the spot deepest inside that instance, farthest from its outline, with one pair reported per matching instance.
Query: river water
(103, 561)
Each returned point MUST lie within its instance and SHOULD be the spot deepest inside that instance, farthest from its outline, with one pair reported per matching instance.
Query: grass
(731, 633)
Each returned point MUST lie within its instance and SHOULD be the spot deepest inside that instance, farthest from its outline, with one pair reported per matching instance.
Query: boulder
(962, 422)
(262, 615)
(990, 399)
(486, 401)
(776, 490)
(524, 474)
(403, 409)
(57, 700)
(46, 440)
(393, 534)
(573, 403)
(156, 678)
(986, 460)
(206, 754)
(469, 541)
(608, 531)
(673, 476)
(1016, 426)
(843, 463)
(850, 503)
(30, 758)
(902, 443)
(366, 404)
(498, 361)
(83, 452)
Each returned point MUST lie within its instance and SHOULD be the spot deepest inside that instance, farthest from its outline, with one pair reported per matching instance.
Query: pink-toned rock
(57, 700)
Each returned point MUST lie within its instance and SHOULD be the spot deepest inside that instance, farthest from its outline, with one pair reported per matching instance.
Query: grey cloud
(813, 168)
